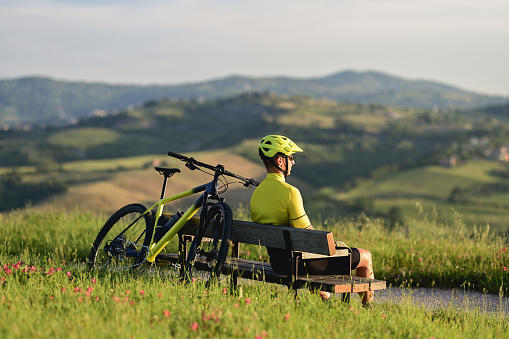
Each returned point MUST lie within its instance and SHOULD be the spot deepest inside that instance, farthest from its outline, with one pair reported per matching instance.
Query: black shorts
(280, 260)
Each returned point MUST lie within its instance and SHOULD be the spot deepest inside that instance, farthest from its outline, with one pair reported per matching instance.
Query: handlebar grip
(178, 156)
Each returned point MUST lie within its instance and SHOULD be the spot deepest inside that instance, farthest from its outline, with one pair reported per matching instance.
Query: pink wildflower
(248, 301)
(166, 313)
(159, 295)
(127, 292)
(142, 292)
(504, 268)
(287, 316)
(63, 290)
(68, 274)
(194, 326)
(93, 281)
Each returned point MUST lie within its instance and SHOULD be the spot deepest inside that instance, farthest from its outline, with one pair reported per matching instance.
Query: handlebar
(192, 164)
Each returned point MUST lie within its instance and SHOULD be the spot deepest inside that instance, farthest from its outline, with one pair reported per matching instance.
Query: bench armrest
(340, 252)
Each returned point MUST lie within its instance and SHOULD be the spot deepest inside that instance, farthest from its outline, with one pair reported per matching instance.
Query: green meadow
(47, 291)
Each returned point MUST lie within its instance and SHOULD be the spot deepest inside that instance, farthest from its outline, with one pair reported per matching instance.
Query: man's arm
(296, 211)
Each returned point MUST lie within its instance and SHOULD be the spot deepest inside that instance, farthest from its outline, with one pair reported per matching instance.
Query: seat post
(164, 185)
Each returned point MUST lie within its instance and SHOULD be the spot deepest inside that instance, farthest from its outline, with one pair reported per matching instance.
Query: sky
(464, 43)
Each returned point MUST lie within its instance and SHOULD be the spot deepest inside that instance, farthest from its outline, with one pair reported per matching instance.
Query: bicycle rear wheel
(210, 245)
(124, 239)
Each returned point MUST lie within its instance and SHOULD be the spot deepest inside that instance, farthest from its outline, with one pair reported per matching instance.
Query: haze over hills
(43, 100)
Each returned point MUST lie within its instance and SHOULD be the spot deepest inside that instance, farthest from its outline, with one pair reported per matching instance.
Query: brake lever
(251, 182)
(191, 166)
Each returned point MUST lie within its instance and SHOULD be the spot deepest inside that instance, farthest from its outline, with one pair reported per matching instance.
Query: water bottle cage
(161, 230)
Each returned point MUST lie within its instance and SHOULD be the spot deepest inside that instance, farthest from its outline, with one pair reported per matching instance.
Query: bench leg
(235, 273)
(182, 255)
(345, 297)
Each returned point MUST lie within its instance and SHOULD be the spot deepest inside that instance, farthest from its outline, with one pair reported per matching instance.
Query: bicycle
(127, 239)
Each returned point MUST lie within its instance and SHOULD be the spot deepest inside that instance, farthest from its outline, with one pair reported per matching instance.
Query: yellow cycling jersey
(275, 202)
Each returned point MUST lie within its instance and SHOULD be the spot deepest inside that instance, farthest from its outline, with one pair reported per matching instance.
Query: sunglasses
(289, 157)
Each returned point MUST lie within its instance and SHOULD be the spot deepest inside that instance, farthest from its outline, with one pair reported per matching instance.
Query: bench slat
(256, 270)
(317, 242)
(337, 283)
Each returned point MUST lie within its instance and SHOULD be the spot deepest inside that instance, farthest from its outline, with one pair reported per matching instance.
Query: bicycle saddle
(167, 172)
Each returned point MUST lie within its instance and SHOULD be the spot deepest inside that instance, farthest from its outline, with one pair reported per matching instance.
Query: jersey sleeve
(297, 214)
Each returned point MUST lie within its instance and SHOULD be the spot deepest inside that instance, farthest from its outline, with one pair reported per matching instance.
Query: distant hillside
(43, 100)
(358, 158)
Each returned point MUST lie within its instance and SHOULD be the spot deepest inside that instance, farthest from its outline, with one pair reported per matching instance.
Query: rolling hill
(36, 100)
(378, 160)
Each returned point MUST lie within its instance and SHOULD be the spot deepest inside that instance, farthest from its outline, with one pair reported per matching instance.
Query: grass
(431, 186)
(75, 303)
(83, 138)
(432, 180)
(45, 289)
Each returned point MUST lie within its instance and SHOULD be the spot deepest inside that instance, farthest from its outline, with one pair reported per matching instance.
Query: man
(275, 202)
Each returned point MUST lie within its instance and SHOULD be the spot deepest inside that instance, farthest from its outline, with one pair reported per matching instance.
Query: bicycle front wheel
(210, 245)
(124, 239)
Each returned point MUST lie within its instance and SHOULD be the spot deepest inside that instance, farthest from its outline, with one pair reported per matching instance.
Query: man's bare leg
(365, 270)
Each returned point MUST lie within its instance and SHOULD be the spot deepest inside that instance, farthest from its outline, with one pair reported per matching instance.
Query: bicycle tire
(217, 226)
(123, 240)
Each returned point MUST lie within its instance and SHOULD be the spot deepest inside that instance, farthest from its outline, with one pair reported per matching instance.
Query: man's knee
(365, 257)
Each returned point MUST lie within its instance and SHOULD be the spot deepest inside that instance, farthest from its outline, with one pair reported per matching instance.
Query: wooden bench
(303, 244)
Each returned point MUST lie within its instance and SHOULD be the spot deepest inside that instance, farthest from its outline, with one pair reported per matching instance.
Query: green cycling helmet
(272, 144)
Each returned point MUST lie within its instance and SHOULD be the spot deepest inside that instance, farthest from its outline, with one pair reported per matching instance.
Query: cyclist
(276, 202)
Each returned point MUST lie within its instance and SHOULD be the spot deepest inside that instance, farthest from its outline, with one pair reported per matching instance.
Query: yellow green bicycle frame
(158, 247)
